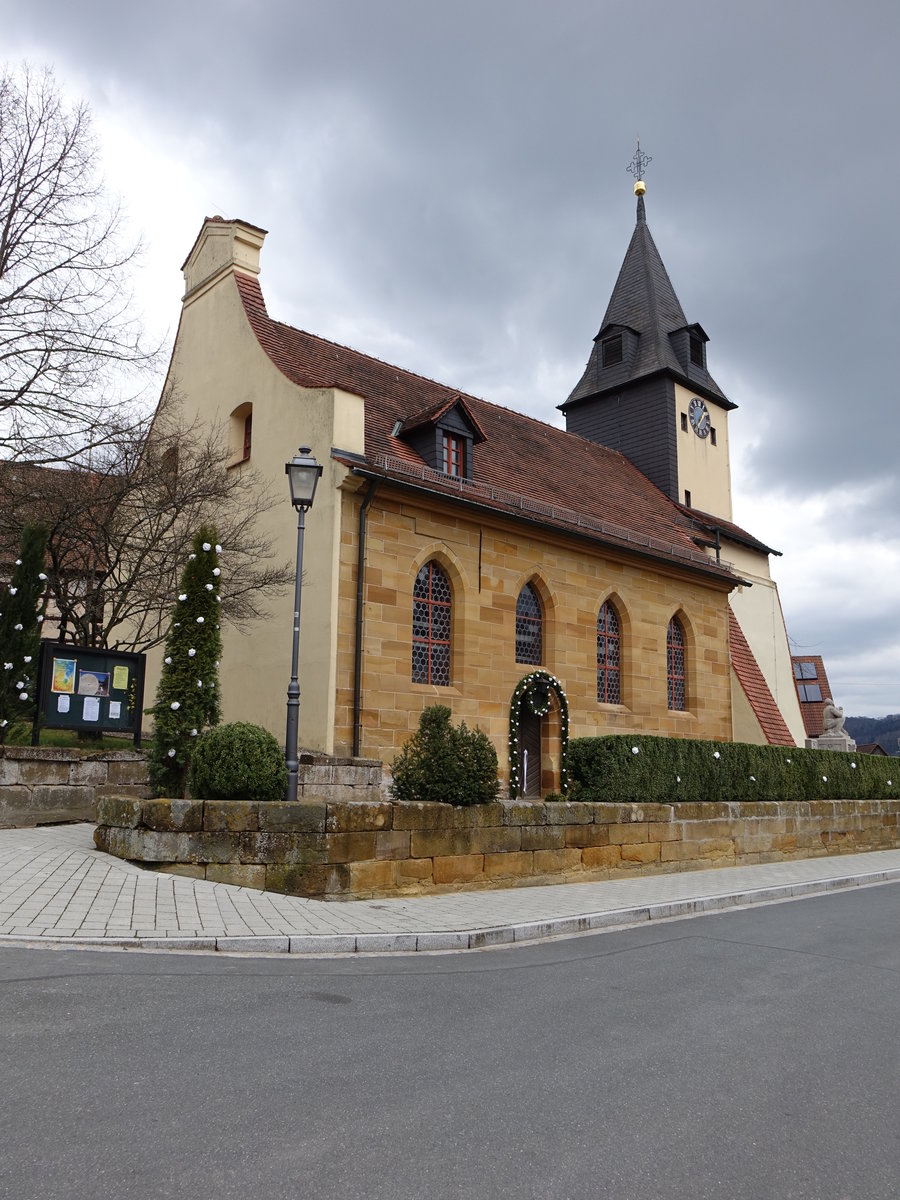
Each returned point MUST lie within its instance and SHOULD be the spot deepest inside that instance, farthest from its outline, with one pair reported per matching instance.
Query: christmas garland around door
(535, 690)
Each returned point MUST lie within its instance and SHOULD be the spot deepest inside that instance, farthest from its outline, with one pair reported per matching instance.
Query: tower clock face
(698, 415)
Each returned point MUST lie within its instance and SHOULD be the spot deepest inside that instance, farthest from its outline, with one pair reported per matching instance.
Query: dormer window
(612, 350)
(444, 435)
(452, 454)
(696, 350)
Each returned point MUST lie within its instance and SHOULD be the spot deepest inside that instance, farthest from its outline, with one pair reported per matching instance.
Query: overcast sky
(444, 186)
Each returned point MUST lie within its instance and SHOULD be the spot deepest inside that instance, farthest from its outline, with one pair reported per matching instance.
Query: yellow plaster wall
(703, 469)
(746, 727)
(758, 610)
(217, 366)
(573, 580)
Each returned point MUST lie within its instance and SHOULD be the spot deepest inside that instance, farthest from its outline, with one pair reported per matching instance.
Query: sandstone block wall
(487, 563)
(360, 849)
(43, 785)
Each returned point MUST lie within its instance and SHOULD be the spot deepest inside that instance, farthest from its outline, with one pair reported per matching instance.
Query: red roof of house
(524, 467)
(755, 687)
(811, 709)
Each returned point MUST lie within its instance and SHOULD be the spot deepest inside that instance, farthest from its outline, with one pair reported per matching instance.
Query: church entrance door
(530, 751)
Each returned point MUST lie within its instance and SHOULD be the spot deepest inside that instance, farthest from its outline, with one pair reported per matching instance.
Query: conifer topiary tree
(22, 607)
(187, 697)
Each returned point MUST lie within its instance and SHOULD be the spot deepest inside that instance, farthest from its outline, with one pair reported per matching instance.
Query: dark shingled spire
(643, 302)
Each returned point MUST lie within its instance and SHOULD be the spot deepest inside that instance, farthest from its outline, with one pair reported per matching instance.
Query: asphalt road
(747, 1054)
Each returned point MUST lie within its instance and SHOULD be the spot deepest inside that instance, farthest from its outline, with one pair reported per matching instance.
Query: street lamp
(303, 474)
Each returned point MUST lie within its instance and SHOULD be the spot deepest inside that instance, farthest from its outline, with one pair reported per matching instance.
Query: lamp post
(303, 474)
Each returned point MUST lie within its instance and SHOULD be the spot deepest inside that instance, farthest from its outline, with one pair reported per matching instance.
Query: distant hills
(884, 730)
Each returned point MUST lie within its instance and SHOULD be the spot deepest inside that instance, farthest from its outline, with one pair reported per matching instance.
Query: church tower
(646, 390)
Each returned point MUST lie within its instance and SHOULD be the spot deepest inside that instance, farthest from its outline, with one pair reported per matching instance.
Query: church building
(460, 553)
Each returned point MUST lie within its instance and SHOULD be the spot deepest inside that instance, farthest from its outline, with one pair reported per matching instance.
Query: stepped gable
(755, 687)
(566, 476)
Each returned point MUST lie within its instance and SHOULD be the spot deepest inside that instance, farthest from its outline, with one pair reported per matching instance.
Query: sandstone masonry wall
(356, 849)
(43, 785)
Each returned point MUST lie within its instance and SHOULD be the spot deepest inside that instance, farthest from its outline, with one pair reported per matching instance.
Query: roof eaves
(640, 545)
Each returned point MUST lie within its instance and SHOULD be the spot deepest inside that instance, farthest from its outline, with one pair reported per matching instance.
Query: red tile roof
(755, 687)
(812, 709)
(727, 529)
(524, 467)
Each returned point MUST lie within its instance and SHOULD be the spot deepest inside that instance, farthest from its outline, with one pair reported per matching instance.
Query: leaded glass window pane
(431, 626)
(529, 627)
(676, 665)
(608, 661)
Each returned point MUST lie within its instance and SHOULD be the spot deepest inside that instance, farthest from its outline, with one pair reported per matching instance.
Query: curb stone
(448, 941)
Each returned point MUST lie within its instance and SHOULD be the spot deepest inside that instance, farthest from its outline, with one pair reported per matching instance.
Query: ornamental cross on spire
(639, 163)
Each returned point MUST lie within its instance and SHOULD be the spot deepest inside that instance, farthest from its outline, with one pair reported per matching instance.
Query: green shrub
(444, 764)
(640, 768)
(237, 762)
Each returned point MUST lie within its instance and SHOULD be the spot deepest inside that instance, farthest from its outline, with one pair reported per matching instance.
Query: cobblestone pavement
(56, 887)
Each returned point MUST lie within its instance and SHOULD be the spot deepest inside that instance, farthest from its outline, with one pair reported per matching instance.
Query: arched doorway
(530, 731)
(529, 708)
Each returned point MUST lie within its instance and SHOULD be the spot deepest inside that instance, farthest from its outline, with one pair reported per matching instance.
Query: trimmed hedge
(657, 770)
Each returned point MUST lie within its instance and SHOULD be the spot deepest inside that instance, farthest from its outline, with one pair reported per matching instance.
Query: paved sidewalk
(56, 888)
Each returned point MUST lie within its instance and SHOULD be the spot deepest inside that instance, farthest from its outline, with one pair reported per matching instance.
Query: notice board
(98, 691)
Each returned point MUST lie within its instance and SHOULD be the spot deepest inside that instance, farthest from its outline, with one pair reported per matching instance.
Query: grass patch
(67, 739)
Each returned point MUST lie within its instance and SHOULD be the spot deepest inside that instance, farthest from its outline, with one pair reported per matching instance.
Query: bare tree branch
(121, 522)
(71, 347)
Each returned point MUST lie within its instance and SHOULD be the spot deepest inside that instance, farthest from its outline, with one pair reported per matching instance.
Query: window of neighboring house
(431, 626)
(612, 350)
(608, 656)
(675, 671)
(529, 627)
(805, 670)
(248, 432)
(809, 692)
(452, 454)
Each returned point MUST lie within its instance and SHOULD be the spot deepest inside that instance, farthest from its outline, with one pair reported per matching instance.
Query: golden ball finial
(639, 187)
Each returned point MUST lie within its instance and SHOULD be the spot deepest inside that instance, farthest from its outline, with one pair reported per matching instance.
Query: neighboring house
(872, 748)
(813, 689)
(455, 546)
(70, 564)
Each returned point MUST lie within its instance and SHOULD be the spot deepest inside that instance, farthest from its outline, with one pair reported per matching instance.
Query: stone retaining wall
(41, 785)
(355, 850)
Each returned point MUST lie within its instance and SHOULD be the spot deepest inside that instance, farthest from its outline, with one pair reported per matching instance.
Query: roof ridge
(559, 429)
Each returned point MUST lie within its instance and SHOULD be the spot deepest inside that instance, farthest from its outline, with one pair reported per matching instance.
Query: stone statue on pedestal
(834, 736)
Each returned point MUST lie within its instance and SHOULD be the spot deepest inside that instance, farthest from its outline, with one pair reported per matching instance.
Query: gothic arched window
(675, 665)
(431, 626)
(529, 627)
(608, 656)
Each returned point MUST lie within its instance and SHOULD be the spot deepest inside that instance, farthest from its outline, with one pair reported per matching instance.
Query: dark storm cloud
(445, 187)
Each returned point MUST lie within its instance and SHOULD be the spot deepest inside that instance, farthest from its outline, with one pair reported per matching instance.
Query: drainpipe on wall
(357, 647)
